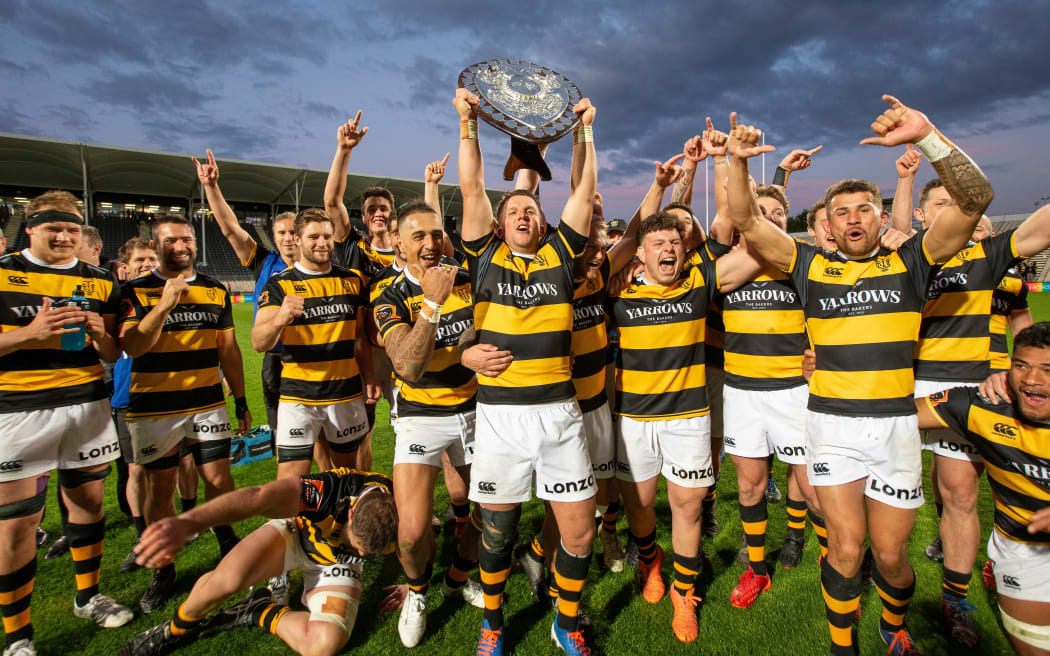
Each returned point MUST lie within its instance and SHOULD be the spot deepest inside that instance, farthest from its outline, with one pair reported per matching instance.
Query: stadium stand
(263, 237)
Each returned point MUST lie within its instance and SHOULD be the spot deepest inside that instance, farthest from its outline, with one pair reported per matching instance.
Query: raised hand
(586, 111)
(436, 282)
(351, 133)
(799, 159)
(745, 140)
(291, 309)
(436, 170)
(893, 239)
(694, 151)
(714, 141)
(898, 124)
(174, 290)
(208, 173)
(466, 104)
(667, 173)
(908, 163)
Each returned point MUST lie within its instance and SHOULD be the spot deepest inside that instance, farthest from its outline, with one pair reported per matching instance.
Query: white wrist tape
(933, 147)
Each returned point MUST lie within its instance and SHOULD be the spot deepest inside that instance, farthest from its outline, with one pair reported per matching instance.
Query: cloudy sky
(271, 81)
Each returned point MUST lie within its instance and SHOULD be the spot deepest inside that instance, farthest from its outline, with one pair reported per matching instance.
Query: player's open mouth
(595, 263)
(430, 258)
(1034, 399)
(522, 227)
(855, 234)
(668, 264)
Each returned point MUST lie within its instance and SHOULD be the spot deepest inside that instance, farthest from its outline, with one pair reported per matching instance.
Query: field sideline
(789, 618)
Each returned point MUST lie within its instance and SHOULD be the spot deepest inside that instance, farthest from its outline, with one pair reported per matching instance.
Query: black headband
(50, 216)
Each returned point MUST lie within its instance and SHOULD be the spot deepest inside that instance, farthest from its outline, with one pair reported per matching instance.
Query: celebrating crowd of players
(578, 362)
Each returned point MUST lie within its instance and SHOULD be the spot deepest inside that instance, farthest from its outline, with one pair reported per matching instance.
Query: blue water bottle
(76, 341)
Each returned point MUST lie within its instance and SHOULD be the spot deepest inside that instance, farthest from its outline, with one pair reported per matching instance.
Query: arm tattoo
(682, 186)
(965, 182)
(410, 354)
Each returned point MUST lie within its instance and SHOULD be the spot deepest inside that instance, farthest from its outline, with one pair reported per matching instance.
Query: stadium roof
(54, 164)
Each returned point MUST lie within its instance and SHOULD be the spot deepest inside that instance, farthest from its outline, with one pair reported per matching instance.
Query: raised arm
(242, 243)
(694, 153)
(796, 160)
(431, 177)
(962, 178)
(477, 208)
(624, 250)
(907, 167)
(578, 209)
(348, 136)
(1033, 236)
(411, 348)
(715, 143)
(767, 240)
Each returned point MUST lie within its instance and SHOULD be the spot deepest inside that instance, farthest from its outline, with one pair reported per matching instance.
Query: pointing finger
(671, 162)
(445, 161)
(710, 126)
(194, 160)
(814, 150)
(896, 104)
(357, 117)
(211, 158)
(732, 121)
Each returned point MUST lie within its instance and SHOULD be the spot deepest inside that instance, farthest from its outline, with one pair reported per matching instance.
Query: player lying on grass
(324, 524)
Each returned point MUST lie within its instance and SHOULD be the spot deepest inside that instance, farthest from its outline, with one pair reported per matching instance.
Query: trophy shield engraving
(527, 101)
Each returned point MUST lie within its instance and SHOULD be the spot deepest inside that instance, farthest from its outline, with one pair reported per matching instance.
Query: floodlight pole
(204, 236)
(87, 197)
(707, 195)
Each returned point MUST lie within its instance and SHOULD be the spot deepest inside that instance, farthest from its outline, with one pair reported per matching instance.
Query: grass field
(788, 619)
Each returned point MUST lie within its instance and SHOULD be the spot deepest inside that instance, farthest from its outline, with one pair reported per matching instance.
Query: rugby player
(528, 421)
(315, 310)
(420, 316)
(954, 350)
(661, 410)
(863, 307)
(1014, 443)
(765, 395)
(263, 263)
(137, 257)
(325, 525)
(177, 325)
(54, 411)
(367, 256)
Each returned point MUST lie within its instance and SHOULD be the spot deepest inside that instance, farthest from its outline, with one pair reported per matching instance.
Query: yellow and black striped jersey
(1010, 296)
(40, 374)
(714, 337)
(590, 340)
(863, 317)
(660, 365)
(325, 500)
(446, 387)
(765, 333)
(523, 304)
(180, 374)
(318, 346)
(355, 252)
(954, 338)
(382, 280)
(1016, 455)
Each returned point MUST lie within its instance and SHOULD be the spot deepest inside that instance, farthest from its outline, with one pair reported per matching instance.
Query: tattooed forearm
(410, 351)
(965, 182)
(683, 188)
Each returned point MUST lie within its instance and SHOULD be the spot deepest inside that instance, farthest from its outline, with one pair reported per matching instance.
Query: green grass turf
(788, 619)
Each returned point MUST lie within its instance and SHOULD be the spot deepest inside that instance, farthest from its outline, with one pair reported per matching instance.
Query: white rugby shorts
(760, 422)
(680, 449)
(69, 437)
(884, 451)
(151, 439)
(343, 423)
(422, 440)
(1022, 571)
(942, 441)
(601, 443)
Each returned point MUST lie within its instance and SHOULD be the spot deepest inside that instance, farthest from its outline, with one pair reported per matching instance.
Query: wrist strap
(933, 147)
(240, 405)
(468, 129)
(780, 176)
(435, 311)
(583, 134)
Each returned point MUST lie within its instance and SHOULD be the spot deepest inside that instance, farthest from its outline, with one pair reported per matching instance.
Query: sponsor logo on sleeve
(310, 494)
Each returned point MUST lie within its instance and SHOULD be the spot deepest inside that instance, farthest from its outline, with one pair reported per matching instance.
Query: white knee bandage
(1033, 634)
(337, 608)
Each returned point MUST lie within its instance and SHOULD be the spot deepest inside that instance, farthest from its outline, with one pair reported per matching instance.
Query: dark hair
(170, 219)
(381, 192)
(90, 236)
(924, 195)
(375, 522)
(1037, 335)
(130, 246)
(658, 222)
(769, 191)
(811, 218)
(852, 186)
(414, 206)
(511, 194)
(310, 215)
(677, 206)
(55, 199)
